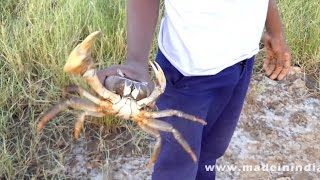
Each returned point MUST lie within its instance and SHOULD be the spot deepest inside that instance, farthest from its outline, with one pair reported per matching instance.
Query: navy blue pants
(218, 99)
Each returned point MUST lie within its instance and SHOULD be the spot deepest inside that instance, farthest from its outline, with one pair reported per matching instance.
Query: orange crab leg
(157, 146)
(164, 126)
(75, 103)
(74, 89)
(170, 112)
(80, 122)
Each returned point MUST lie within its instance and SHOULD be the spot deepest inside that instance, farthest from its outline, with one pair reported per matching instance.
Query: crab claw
(81, 63)
(158, 89)
(80, 59)
(159, 74)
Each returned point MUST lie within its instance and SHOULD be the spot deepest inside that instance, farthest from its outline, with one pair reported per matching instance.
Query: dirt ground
(279, 126)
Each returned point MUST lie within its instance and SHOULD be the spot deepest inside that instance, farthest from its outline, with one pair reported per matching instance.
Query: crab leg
(75, 103)
(80, 122)
(158, 89)
(80, 63)
(74, 89)
(157, 146)
(170, 112)
(163, 126)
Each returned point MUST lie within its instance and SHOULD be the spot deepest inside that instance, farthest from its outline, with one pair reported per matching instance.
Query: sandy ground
(279, 126)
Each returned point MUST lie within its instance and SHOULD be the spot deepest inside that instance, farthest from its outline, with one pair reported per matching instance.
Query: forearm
(142, 19)
(273, 21)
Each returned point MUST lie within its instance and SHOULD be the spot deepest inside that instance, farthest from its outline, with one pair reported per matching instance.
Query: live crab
(126, 106)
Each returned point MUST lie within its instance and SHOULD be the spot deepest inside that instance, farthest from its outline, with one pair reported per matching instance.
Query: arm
(273, 21)
(142, 18)
(278, 57)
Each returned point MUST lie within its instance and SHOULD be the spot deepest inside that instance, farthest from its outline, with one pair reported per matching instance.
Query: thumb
(267, 41)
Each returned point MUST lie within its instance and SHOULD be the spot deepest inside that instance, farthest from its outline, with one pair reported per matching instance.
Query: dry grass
(36, 37)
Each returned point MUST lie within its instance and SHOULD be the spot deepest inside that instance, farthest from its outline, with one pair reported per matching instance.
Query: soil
(279, 126)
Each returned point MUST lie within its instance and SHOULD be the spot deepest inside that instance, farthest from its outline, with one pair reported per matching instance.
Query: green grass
(36, 37)
(302, 25)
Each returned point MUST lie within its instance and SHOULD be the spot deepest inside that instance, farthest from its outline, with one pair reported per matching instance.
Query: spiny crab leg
(74, 89)
(164, 126)
(90, 108)
(76, 103)
(81, 63)
(170, 112)
(157, 146)
(158, 89)
(80, 122)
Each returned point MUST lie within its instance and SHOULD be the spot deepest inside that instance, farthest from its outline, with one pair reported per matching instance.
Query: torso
(203, 37)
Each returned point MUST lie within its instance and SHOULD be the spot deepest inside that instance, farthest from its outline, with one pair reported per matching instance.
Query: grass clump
(301, 20)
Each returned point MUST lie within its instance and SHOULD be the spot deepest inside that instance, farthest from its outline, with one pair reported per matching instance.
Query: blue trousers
(218, 99)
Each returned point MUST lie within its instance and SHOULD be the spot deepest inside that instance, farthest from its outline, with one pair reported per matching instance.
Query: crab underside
(126, 106)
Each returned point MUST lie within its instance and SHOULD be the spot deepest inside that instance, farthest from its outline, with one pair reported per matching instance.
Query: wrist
(273, 23)
(139, 64)
(140, 67)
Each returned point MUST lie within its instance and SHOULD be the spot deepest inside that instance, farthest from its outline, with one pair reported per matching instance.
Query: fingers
(278, 58)
(277, 69)
(112, 70)
(282, 66)
(286, 66)
(101, 75)
(269, 64)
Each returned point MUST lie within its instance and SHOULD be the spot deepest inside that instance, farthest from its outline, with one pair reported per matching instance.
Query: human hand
(278, 57)
(131, 70)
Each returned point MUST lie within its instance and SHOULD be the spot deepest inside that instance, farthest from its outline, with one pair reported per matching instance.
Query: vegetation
(302, 25)
(36, 37)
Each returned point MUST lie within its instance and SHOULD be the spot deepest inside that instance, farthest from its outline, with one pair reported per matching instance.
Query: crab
(128, 105)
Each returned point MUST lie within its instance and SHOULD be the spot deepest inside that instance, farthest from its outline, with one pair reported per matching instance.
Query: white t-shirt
(203, 37)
